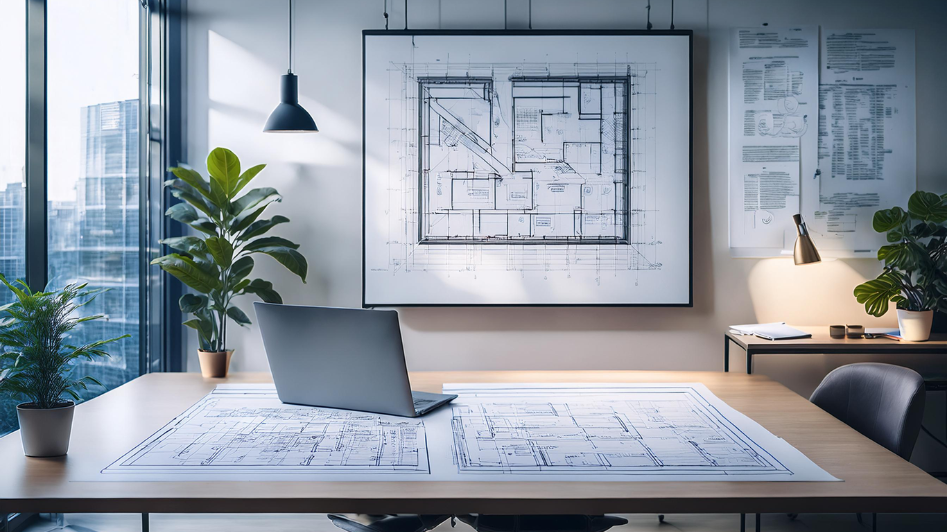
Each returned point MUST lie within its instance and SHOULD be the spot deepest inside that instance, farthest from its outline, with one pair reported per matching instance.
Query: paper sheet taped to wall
(867, 155)
(822, 127)
(773, 118)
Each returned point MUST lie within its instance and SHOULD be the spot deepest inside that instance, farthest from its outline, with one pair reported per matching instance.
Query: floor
(319, 523)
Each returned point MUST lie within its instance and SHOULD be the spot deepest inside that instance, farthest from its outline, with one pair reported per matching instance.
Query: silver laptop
(351, 359)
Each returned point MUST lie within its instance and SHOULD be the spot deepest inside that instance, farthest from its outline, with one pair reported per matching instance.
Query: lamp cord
(530, 14)
(385, 12)
(672, 14)
(291, 43)
(405, 15)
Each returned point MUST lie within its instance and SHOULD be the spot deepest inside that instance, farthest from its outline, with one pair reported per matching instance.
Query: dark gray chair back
(882, 401)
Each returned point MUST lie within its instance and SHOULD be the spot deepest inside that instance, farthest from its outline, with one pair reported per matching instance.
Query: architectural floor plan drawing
(491, 432)
(246, 430)
(614, 430)
(504, 169)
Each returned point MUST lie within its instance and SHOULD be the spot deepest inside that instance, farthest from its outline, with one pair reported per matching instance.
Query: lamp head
(289, 116)
(804, 252)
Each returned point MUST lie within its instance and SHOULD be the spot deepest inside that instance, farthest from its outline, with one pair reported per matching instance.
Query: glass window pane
(12, 161)
(92, 170)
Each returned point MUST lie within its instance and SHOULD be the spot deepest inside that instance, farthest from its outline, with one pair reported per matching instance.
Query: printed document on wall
(867, 156)
(773, 129)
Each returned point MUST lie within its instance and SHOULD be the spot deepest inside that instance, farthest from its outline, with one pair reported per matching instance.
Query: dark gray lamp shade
(289, 116)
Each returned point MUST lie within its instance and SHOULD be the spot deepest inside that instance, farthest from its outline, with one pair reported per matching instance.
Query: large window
(93, 91)
(78, 163)
(12, 158)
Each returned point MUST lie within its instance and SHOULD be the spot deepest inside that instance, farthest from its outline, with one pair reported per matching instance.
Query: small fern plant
(36, 360)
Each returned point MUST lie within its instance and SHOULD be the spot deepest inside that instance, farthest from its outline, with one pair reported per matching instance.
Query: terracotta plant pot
(915, 325)
(45, 431)
(214, 364)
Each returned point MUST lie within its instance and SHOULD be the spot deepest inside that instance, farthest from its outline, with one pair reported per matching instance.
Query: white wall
(237, 50)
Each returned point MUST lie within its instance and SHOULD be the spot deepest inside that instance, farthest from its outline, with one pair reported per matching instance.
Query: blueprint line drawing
(607, 430)
(248, 430)
(521, 169)
(549, 164)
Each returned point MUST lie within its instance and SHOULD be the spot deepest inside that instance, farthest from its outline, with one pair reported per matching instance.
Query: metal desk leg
(145, 524)
(742, 522)
(757, 522)
(726, 353)
(749, 361)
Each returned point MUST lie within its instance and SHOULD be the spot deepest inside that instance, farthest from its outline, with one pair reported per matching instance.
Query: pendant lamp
(289, 116)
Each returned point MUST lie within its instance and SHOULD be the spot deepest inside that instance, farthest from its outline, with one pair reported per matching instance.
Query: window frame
(161, 144)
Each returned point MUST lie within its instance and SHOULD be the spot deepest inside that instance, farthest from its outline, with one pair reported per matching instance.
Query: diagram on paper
(505, 171)
(249, 430)
(623, 430)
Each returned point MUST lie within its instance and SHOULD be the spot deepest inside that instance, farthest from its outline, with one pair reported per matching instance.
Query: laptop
(351, 359)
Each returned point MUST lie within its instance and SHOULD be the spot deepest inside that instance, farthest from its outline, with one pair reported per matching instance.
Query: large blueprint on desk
(523, 432)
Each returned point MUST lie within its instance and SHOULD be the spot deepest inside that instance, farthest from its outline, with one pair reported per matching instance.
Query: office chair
(481, 523)
(881, 401)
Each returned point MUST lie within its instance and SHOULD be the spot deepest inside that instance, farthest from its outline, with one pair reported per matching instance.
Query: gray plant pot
(45, 431)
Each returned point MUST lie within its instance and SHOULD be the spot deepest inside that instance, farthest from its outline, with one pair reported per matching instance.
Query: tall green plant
(217, 260)
(915, 260)
(35, 360)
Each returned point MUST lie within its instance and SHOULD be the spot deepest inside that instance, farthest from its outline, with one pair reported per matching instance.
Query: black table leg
(742, 522)
(726, 353)
(145, 524)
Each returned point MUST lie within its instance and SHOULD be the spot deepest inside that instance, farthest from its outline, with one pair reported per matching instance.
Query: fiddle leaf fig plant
(217, 260)
(915, 259)
(36, 358)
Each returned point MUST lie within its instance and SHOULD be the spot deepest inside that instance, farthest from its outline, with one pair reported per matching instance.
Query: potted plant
(216, 261)
(915, 264)
(36, 362)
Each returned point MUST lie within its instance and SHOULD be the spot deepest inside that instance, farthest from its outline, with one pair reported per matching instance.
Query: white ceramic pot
(915, 324)
(45, 431)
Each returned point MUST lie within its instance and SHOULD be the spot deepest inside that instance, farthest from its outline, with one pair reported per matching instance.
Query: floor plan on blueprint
(491, 432)
(524, 169)
(247, 430)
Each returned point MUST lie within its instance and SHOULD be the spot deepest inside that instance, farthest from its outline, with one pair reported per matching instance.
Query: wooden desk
(875, 480)
(822, 343)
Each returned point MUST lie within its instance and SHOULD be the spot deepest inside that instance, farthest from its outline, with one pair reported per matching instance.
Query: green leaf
(927, 206)
(905, 256)
(876, 293)
(192, 303)
(219, 196)
(244, 220)
(238, 316)
(263, 290)
(188, 244)
(262, 226)
(185, 192)
(270, 241)
(188, 272)
(221, 249)
(248, 176)
(224, 167)
(887, 219)
(192, 178)
(240, 269)
(256, 198)
(204, 226)
(288, 257)
(203, 328)
(182, 212)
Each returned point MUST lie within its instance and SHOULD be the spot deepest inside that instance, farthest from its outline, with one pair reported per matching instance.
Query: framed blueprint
(527, 168)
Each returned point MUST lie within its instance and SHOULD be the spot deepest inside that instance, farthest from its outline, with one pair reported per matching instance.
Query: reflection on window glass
(12, 161)
(92, 170)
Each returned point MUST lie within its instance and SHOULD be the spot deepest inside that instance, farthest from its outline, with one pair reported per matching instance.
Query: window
(93, 92)
(12, 160)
